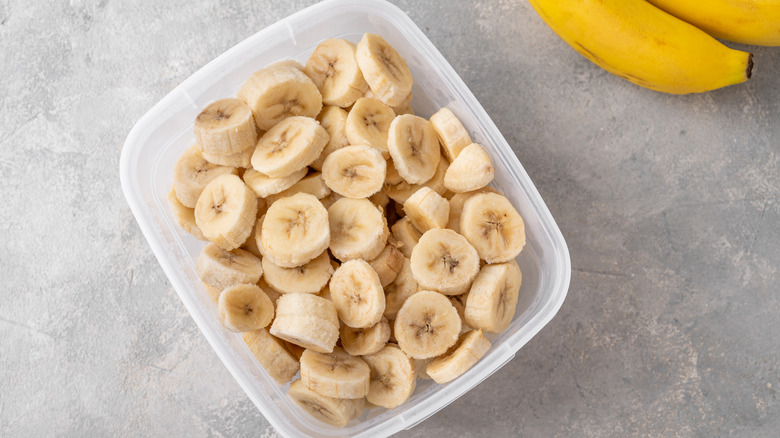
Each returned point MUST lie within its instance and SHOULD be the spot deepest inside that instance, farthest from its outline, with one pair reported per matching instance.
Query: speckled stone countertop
(669, 205)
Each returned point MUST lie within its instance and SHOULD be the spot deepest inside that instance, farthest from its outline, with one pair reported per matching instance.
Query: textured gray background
(669, 206)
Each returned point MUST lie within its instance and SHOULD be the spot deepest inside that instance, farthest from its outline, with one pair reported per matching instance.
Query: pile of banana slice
(350, 240)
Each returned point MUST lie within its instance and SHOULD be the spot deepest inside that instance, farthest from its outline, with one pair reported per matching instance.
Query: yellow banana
(742, 21)
(643, 44)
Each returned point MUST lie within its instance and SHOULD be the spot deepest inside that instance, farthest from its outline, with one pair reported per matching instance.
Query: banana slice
(226, 127)
(295, 231)
(393, 377)
(426, 210)
(358, 229)
(337, 374)
(355, 171)
(380, 199)
(456, 206)
(334, 120)
(357, 294)
(493, 226)
(426, 325)
(307, 279)
(334, 411)
(226, 211)
(312, 184)
(272, 354)
(472, 170)
(280, 91)
(240, 159)
(272, 293)
(222, 269)
(388, 263)
(470, 348)
(451, 133)
(444, 261)
(459, 301)
(251, 241)
(492, 300)
(399, 290)
(245, 307)
(289, 146)
(264, 185)
(384, 69)
(295, 350)
(306, 320)
(362, 341)
(192, 173)
(406, 235)
(335, 71)
(368, 123)
(414, 147)
(185, 216)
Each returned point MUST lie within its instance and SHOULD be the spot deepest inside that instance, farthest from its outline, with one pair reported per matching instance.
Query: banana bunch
(352, 242)
(666, 45)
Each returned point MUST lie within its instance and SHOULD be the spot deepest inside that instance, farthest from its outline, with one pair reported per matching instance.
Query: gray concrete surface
(669, 205)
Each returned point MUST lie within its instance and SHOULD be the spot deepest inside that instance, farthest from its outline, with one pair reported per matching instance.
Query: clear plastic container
(163, 133)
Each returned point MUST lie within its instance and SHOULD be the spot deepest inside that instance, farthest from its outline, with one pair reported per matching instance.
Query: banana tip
(749, 71)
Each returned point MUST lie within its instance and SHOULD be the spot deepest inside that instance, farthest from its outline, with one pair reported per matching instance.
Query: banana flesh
(357, 294)
(222, 269)
(393, 377)
(264, 185)
(426, 325)
(368, 122)
(288, 146)
(226, 211)
(334, 120)
(384, 69)
(412, 143)
(335, 71)
(444, 261)
(306, 320)
(355, 171)
(307, 279)
(337, 374)
(388, 264)
(185, 216)
(427, 210)
(399, 290)
(492, 299)
(451, 133)
(492, 225)
(272, 355)
(334, 411)
(244, 308)
(295, 231)
(226, 127)
(192, 173)
(472, 170)
(358, 229)
(363, 341)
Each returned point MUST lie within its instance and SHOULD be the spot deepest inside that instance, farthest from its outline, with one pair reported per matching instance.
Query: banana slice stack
(354, 244)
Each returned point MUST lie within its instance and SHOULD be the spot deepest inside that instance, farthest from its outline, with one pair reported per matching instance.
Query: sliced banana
(192, 173)
(222, 269)
(406, 235)
(312, 184)
(492, 300)
(459, 301)
(469, 349)
(273, 355)
(456, 206)
(272, 293)
(264, 185)
(251, 241)
(380, 199)
(337, 374)
(493, 226)
(334, 120)
(426, 210)
(307, 279)
(226, 211)
(414, 147)
(388, 263)
(185, 216)
(245, 307)
(452, 135)
(335, 71)
(239, 159)
(400, 190)
(368, 122)
(444, 261)
(280, 91)
(393, 377)
(226, 127)
(399, 290)
(362, 341)
(384, 69)
(355, 171)
(295, 231)
(306, 320)
(472, 170)
(426, 325)
(358, 230)
(357, 294)
(295, 350)
(289, 146)
(334, 411)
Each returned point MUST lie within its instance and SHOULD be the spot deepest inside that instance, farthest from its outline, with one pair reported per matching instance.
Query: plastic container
(161, 135)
